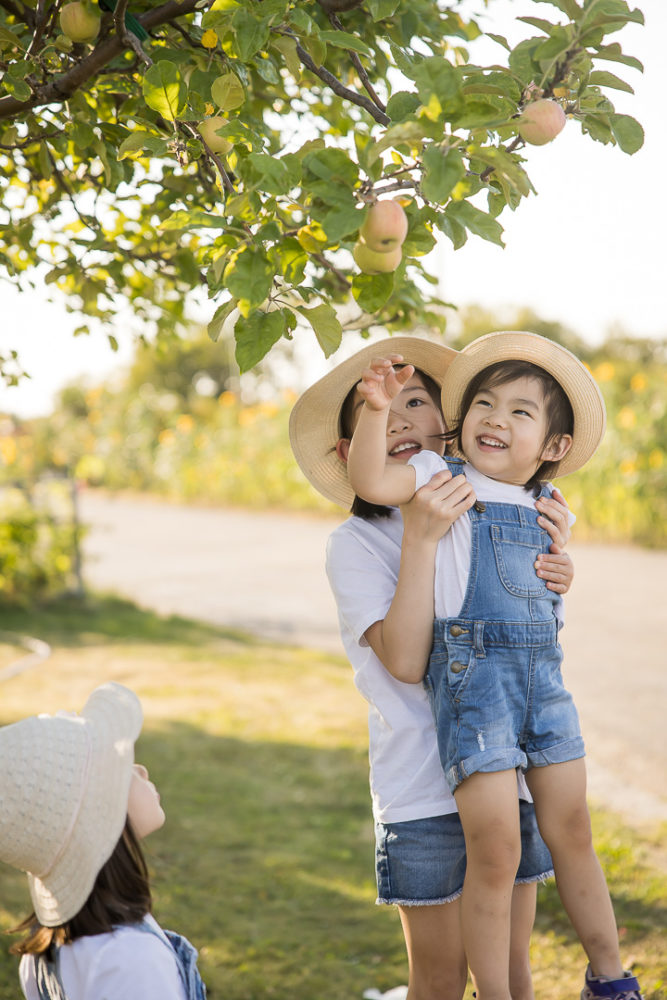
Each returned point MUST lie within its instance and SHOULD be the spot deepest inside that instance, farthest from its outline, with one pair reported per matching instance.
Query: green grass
(266, 860)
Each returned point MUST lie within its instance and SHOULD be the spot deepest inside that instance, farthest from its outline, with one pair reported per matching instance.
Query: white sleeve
(27, 978)
(134, 967)
(426, 464)
(362, 582)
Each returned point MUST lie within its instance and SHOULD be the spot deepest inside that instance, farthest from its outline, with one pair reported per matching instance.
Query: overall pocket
(516, 548)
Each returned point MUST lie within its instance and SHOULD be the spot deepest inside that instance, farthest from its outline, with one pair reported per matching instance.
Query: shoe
(626, 988)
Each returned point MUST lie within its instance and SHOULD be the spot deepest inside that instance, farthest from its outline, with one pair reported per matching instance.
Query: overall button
(456, 631)
(458, 667)
(479, 506)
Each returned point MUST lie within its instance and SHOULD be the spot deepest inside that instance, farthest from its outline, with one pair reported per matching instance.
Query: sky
(587, 251)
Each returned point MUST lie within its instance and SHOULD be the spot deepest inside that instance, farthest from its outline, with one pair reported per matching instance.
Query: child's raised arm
(370, 476)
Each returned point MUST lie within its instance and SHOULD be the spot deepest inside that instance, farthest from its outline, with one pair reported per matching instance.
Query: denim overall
(50, 987)
(494, 676)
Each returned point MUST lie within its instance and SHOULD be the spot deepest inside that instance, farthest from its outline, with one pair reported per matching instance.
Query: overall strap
(186, 959)
(47, 977)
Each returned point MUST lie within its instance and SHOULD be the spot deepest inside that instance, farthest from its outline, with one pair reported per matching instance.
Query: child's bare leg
(559, 791)
(524, 899)
(436, 959)
(489, 811)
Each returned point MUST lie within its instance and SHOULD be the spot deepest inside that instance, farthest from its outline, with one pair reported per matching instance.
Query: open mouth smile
(490, 442)
(403, 446)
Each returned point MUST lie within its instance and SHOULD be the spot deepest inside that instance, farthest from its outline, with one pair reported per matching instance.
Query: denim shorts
(422, 862)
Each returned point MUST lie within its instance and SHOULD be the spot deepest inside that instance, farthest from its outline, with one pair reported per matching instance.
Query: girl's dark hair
(121, 895)
(560, 418)
(362, 508)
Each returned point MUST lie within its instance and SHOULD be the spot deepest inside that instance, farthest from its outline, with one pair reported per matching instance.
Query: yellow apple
(375, 262)
(208, 130)
(541, 121)
(385, 226)
(80, 21)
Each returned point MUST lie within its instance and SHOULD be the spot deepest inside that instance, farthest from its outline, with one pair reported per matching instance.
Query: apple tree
(234, 148)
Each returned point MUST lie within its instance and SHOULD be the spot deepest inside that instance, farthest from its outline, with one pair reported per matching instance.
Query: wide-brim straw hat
(575, 379)
(314, 425)
(64, 787)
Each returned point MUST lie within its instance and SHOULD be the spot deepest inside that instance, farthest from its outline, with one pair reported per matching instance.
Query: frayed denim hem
(542, 877)
(419, 902)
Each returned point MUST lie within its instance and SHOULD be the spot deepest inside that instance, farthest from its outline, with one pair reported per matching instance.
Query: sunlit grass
(266, 861)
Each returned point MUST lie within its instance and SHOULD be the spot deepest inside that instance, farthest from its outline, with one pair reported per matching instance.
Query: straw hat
(64, 787)
(575, 379)
(314, 425)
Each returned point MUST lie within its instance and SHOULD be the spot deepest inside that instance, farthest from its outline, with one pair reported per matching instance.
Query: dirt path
(264, 573)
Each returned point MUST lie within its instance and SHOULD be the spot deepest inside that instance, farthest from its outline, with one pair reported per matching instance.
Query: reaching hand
(381, 383)
(436, 505)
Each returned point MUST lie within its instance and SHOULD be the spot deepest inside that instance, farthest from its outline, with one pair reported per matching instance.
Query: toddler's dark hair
(121, 895)
(560, 418)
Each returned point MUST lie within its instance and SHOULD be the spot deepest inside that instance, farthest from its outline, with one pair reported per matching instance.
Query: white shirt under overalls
(125, 964)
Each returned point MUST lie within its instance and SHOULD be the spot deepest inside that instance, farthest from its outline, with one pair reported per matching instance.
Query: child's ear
(343, 449)
(557, 448)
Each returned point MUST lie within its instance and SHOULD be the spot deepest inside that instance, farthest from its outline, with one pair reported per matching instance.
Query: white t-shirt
(126, 964)
(406, 778)
(452, 562)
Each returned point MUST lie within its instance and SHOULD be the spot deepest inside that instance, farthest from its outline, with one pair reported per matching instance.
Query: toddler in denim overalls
(521, 408)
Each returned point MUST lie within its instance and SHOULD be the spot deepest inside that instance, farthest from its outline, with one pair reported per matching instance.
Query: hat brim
(112, 719)
(573, 376)
(314, 425)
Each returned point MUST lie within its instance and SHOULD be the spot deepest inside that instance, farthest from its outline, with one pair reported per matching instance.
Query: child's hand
(380, 383)
(553, 518)
(557, 569)
(436, 505)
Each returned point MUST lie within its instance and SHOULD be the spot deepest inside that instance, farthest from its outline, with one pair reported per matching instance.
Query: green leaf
(325, 324)
(270, 174)
(476, 221)
(569, 7)
(443, 169)
(343, 40)
(141, 142)
(287, 48)
(256, 335)
(379, 9)
(227, 92)
(165, 90)
(332, 164)
(291, 260)
(614, 53)
(435, 76)
(220, 315)
(249, 276)
(251, 33)
(401, 105)
(627, 132)
(602, 79)
(371, 291)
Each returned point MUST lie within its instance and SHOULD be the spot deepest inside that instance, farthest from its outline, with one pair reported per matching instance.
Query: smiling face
(143, 806)
(415, 423)
(503, 433)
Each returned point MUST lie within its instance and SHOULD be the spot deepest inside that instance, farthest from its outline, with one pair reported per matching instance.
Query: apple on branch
(541, 121)
(375, 261)
(385, 226)
(80, 21)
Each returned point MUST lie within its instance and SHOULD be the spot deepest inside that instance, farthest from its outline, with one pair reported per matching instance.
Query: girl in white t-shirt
(521, 408)
(380, 564)
(74, 810)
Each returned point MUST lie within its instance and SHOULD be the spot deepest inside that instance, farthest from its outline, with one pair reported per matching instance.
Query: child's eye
(415, 402)
(482, 402)
(523, 413)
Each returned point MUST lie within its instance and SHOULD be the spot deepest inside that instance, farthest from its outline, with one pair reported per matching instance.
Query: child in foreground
(521, 409)
(74, 810)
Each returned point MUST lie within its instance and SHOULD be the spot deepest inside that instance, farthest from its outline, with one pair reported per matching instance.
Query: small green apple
(80, 21)
(374, 261)
(541, 121)
(385, 226)
(208, 129)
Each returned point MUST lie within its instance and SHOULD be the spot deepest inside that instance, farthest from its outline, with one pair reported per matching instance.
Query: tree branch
(356, 62)
(63, 87)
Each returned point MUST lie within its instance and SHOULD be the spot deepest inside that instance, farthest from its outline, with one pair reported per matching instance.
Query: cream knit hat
(64, 787)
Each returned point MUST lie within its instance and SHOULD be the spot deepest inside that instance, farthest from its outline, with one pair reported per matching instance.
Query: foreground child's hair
(560, 418)
(121, 895)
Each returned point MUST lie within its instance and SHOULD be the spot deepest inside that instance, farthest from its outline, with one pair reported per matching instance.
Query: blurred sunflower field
(177, 425)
